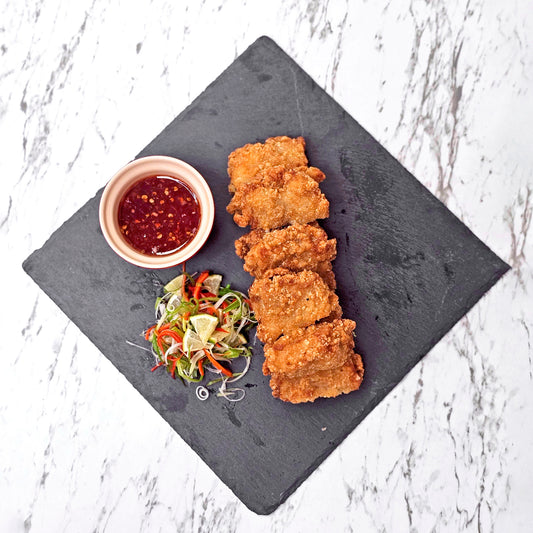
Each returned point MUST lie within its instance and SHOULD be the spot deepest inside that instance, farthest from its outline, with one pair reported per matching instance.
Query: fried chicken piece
(246, 162)
(294, 248)
(320, 384)
(324, 270)
(244, 244)
(291, 249)
(321, 346)
(278, 197)
(284, 303)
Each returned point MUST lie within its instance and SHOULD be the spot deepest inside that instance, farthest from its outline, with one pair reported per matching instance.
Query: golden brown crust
(284, 303)
(294, 248)
(278, 197)
(321, 346)
(324, 270)
(309, 350)
(320, 384)
(248, 241)
(246, 162)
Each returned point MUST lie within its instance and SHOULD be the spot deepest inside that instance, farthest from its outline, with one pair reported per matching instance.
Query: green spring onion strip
(200, 327)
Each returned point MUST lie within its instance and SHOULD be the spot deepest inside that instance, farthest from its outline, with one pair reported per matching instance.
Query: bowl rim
(135, 171)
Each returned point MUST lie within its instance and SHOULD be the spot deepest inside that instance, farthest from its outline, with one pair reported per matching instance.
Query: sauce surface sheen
(159, 215)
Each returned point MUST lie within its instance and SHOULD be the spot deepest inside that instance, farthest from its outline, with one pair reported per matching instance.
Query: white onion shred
(248, 361)
(167, 309)
(202, 393)
(137, 346)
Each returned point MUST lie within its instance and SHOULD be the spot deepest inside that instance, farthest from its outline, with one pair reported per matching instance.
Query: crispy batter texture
(291, 249)
(320, 384)
(248, 241)
(247, 161)
(278, 197)
(284, 303)
(321, 346)
(324, 270)
(294, 248)
(309, 350)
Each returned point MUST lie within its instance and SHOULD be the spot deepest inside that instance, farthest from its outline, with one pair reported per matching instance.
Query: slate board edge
(269, 42)
(270, 508)
(384, 392)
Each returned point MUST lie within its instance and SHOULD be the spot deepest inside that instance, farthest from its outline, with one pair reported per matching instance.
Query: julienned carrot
(158, 365)
(201, 367)
(217, 365)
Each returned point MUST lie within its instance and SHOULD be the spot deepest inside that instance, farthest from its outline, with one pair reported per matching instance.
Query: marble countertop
(445, 87)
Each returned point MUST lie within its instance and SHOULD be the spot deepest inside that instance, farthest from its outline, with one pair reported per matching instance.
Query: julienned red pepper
(166, 332)
(174, 334)
(202, 277)
(173, 367)
(201, 367)
(217, 365)
(198, 285)
(159, 340)
(148, 331)
(158, 365)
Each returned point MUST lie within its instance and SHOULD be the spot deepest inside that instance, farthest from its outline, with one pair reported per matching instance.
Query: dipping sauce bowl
(157, 212)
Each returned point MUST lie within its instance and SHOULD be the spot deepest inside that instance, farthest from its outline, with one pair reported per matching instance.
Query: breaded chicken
(309, 350)
(247, 161)
(320, 384)
(291, 249)
(278, 197)
(284, 303)
(321, 346)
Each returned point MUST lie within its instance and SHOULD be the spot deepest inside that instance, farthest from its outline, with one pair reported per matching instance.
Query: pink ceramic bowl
(125, 179)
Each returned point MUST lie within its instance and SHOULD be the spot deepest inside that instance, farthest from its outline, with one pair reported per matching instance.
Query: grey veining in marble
(444, 86)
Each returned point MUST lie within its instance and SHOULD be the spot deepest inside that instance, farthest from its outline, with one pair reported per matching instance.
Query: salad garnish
(200, 327)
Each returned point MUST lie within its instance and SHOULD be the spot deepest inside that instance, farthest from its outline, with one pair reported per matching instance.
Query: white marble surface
(446, 86)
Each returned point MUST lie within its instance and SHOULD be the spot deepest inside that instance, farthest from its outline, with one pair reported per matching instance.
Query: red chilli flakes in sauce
(159, 215)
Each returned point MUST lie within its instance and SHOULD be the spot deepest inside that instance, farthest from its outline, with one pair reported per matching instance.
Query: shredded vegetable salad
(200, 328)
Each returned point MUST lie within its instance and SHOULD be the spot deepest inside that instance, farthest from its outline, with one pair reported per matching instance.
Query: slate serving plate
(407, 271)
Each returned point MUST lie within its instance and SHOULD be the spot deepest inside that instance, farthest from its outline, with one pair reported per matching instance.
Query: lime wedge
(174, 284)
(204, 325)
(218, 336)
(212, 283)
(192, 341)
(236, 339)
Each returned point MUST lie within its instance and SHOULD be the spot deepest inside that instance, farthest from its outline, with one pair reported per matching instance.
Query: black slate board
(407, 271)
